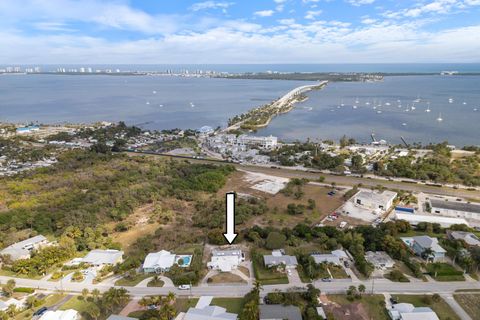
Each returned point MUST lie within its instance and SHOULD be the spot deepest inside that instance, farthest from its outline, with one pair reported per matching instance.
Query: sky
(239, 31)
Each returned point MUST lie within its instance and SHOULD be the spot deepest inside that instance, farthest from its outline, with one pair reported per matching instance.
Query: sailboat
(192, 105)
(147, 103)
(342, 104)
(154, 92)
(450, 100)
(428, 108)
(440, 119)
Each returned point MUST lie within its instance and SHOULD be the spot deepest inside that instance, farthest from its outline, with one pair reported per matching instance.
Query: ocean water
(151, 102)
(322, 117)
(159, 102)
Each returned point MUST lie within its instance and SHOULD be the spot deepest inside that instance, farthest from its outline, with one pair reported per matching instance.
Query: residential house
(117, 317)
(406, 311)
(277, 258)
(158, 262)
(204, 311)
(22, 249)
(469, 238)
(422, 244)
(326, 258)
(12, 301)
(226, 260)
(379, 259)
(279, 312)
(100, 258)
(69, 314)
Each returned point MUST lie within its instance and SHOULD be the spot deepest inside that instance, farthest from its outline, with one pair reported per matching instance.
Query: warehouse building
(455, 209)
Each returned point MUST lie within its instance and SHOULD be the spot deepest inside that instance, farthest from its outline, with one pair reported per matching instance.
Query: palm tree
(362, 288)
(85, 293)
(95, 293)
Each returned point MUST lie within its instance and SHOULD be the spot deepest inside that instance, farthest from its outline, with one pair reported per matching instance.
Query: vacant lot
(444, 272)
(233, 305)
(470, 303)
(225, 277)
(369, 307)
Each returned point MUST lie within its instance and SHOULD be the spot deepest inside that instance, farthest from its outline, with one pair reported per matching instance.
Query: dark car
(393, 300)
(40, 311)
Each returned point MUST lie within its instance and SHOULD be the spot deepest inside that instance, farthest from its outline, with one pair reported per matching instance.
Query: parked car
(346, 264)
(393, 300)
(327, 280)
(40, 311)
(184, 287)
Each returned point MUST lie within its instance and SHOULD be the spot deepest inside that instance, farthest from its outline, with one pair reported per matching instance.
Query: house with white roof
(69, 314)
(12, 301)
(100, 258)
(375, 200)
(421, 244)
(23, 249)
(158, 262)
(407, 311)
(326, 258)
(379, 259)
(226, 260)
(277, 258)
(204, 311)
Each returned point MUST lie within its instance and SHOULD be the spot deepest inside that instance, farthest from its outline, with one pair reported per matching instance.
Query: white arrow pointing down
(230, 235)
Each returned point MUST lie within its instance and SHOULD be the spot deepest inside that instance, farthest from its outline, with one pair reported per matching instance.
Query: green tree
(275, 240)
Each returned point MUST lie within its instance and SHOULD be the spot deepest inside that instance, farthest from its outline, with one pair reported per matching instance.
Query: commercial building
(407, 311)
(375, 200)
(27, 129)
(277, 259)
(415, 219)
(455, 209)
(100, 258)
(279, 312)
(261, 142)
(226, 260)
(421, 244)
(379, 259)
(22, 249)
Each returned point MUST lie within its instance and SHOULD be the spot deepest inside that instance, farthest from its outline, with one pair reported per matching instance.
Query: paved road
(380, 286)
(339, 180)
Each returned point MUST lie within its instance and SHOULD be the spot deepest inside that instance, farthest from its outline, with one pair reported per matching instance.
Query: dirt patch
(225, 277)
(244, 270)
(351, 311)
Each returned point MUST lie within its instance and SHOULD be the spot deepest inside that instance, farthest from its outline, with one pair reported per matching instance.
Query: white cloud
(360, 2)
(312, 14)
(264, 13)
(210, 5)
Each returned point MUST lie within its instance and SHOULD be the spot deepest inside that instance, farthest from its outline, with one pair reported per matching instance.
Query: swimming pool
(186, 259)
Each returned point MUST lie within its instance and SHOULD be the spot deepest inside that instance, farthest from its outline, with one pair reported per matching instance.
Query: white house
(204, 311)
(22, 249)
(379, 259)
(277, 258)
(100, 258)
(420, 244)
(226, 260)
(69, 314)
(406, 311)
(375, 200)
(455, 209)
(158, 262)
(12, 301)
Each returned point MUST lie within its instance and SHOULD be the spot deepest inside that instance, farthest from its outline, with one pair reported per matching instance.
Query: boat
(192, 105)
(379, 111)
(354, 107)
(367, 103)
(387, 103)
(464, 103)
(450, 100)
(154, 92)
(440, 119)
(357, 101)
(160, 105)
(475, 109)
(414, 108)
(404, 124)
(342, 104)
(148, 102)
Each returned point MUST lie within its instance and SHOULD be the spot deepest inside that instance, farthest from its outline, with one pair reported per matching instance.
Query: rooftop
(376, 196)
(98, 256)
(428, 242)
(416, 218)
(468, 237)
(277, 311)
(162, 259)
(457, 206)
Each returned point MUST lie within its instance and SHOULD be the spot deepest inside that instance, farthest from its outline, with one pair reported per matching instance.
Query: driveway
(455, 306)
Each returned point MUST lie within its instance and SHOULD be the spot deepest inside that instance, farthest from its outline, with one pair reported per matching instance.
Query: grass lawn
(444, 272)
(441, 308)
(183, 304)
(155, 283)
(470, 303)
(338, 272)
(132, 282)
(8, 273)
(266, 276)
(75, 303)
(50, 301)
(233, 305)
(225, 277)
(373, 305)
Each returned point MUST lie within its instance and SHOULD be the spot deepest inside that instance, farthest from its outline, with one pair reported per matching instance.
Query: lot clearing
(470, 303)
(369, 307)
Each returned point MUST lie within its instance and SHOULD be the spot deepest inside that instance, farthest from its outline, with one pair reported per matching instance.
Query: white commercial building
(262, 142)
(100, 258)
(415, 219)
(375, 200)
(226, 260)
(22, 249)
(69, 314)
(455, 209)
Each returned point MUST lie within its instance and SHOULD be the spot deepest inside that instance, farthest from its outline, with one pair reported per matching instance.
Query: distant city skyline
(226, 32)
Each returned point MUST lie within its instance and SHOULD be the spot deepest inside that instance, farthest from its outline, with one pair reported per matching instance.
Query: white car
(184, 287)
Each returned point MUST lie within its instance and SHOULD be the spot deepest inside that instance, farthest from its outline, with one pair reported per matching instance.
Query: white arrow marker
(230, 235)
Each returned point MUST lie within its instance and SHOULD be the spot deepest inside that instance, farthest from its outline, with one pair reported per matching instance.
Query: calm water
(57, 99)
(320, 117)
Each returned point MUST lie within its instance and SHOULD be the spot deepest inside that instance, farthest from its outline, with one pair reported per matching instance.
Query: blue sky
(239, 31)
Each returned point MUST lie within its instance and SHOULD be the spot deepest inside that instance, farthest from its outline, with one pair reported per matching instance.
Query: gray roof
(22, 248)
(457, 206)
(272, 260)
(279, 312)
(97, 257)
(427, 242)
(221, 253)
(209, 313)
(116, 317)
(326, 258)
(468, 237)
